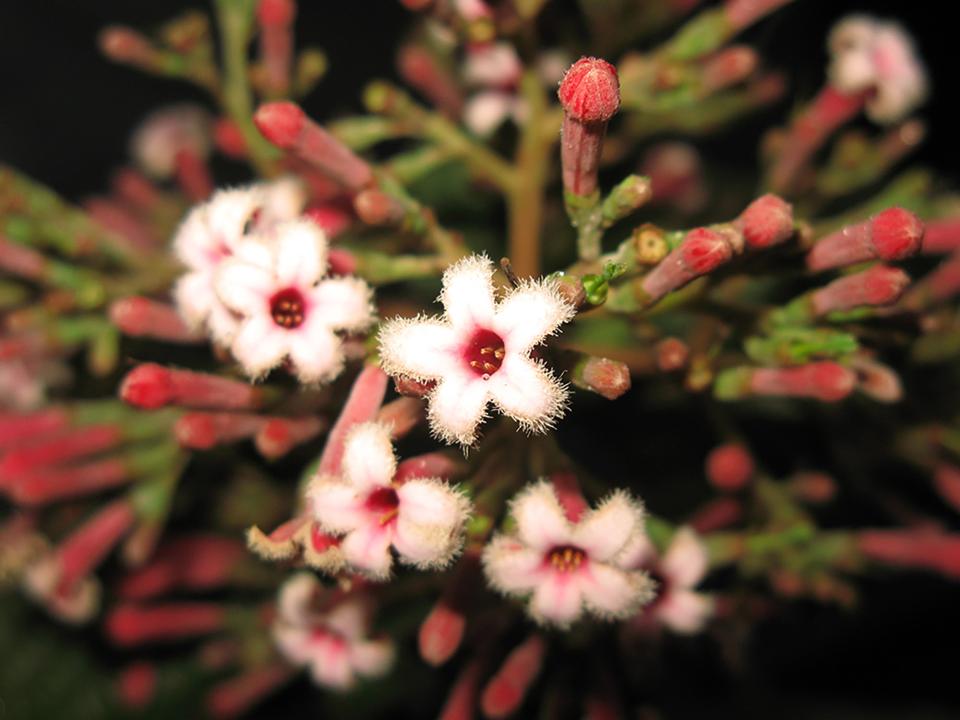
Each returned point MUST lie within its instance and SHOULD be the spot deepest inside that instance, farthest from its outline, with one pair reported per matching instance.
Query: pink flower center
(385, 503)
(287, 308)
(566, 558)
(484, 353)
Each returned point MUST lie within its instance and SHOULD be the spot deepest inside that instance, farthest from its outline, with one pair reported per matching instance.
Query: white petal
(421, 348)
(541, 523)
(296, 596)
(193, 242)
(259, 345)
(557, 599)
(194, 297)
(331, 664)
(301, 253)
(639, 552)
(368, 549)
(348, 618)
(456, 406)
(368, 457)
(484, 112)
(684, 611)
(243, 287)
(432, 502)
(223, 323)
(529, 314)
(228, 213)
(293, 642)
(337, 506)
(343, 303)
(686, 560)
(605, 531)
(613, 593)
(317, 353)
(429, 523)
(467, 293)
(510, 566)
(526, 391)
(372, 658)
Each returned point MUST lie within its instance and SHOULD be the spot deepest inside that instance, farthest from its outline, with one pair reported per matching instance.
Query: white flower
(332, 642)
(495, 69)
(870, 55)
(685, 563)
(492, 65)
(479, 352)
(287, 309)
(421, 518)
(167, 132)
(569, 567)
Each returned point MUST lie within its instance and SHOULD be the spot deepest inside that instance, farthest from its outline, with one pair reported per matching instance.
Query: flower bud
(893, 234)
(729, 467)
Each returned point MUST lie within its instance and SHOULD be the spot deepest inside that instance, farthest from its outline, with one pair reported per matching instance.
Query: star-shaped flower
(479, 352)
(287, 308)
(569, 566)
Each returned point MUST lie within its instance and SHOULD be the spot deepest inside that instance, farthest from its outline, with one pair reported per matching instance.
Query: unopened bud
(729, 467)
(609, 378)
(766, 221)
(879, 285)
(893, 234)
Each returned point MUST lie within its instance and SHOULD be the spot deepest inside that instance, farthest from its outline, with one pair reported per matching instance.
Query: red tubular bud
(135, 190)
(16, 428)
(676, 175)
(362, 405)
(728, 67)
(767, 221)
(141, 317)
(941, 236)
(46, 485)
(137, 685)
(717, 515)
(741, 13)
(462, 698)
(228, 139)
(202, 431)
(702, 251)
(59, 448)
(934, 551)
(275, 18)
(826, 381)
(278, 436)
(421, 71)
(506, 689)
(609, 378)
(879, 285)
(114, 216)
(87, 546)
(21, 261)
(672, 354)
(441, 633)
(567, 489)
(152, 386)
(332, 219)
(194, 563)
(375, 207)
(285, 125)
(813, 487)
(129, 625)
(893, 234)
(193, 175)
(590, 95)
(946, 481)
(402, 415)
(436, 464)
(126, 45)
(729, 467)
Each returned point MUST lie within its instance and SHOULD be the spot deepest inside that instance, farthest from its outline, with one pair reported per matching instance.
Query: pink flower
(675, 604)
(569, 566)
(875, 56)
(286, 308)
(421, 518)
(333, 641)
(167, 132)
(479, 352)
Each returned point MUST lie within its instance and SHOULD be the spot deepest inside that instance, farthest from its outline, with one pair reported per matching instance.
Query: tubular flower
(479, 351)
(675, 604)
(332, 642)
(569, 566)
(421, 518)
(287, 308)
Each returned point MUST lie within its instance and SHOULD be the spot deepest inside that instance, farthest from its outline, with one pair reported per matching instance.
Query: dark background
(65, 114)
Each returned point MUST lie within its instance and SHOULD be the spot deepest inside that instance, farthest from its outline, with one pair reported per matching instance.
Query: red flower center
(566, 558)
(287, 308)
(384, 502)
(484, 353)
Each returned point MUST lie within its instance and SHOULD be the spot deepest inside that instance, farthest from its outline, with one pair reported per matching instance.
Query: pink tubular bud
(134, 189)
(137, 685)
(441, 633)
(202, 430)
(590, 90)
(567, 489)
(672, 354)
(228, 139)
(331, 218)
(126, 45)
(141, 317)
(362, 405)
(893, 234)
(462, 698)
(879, 285)
(702, 251)
(608, 378)
(152, 386)
(934, 551)
(278, 436)
(201, 562)
(506, 689)
(87, 546)
(21, 261)
(590, 95)
(826, 381)
(941, 236)
(742, 13)
(946, 481)
(408, 387)
(50, 484)
(121, 220)
(238, 695)
(420, 69)
(402, 415)
(676, 175)
(766, 221)
(717, 515)
(15, 428)
(128, 625)
(728, 67)
(813, 487)
(59, 448)
(193, 175)
(276, 13)
(285, 125)
(375, 207)
(729, 467)
(275, 18)
(435, 464)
